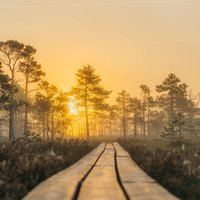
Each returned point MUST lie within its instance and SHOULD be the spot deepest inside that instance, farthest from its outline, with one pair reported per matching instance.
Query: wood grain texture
(102, 183)
(109, 174)
(62, 185)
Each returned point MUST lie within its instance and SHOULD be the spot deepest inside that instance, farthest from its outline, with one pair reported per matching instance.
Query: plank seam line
(80, 183)
(118, 175)
(152, 182)
(122, 156)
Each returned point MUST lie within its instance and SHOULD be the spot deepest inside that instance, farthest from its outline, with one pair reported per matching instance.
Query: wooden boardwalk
(107, 173)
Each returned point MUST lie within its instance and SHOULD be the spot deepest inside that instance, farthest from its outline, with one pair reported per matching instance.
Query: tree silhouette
(174, 128)
(5, 87)
(136, 109)
(12, 52)
(60, 114)
(174, 96)
(32, 73)
(45, 100)
(51, 105)
(145, 105)
(112, 119)
(123, 101)
(89, 92)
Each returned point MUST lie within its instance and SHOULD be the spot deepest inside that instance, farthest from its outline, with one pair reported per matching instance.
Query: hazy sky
(129, 42)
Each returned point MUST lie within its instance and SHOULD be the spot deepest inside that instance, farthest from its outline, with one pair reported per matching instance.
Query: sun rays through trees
(31, 107)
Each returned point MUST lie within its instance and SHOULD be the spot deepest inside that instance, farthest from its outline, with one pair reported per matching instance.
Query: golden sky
(129, 42)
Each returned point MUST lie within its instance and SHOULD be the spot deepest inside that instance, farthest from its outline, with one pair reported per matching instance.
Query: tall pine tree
(11, 53)
(32, 73)
(136, 110)
(174, 96)
(145, 98)
(89, 92)
(123, 105)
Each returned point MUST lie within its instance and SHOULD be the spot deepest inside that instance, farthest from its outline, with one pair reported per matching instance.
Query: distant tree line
(174, 112)
(44, 111)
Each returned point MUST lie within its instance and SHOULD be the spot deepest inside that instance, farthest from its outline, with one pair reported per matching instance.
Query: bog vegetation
(175, 164)
(33, 109)
(24, 165)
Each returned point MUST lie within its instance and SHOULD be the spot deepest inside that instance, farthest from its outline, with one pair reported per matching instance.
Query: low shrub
(175, 166)
(25, 164)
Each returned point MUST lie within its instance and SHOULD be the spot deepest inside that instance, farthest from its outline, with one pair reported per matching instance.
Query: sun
(72, 108)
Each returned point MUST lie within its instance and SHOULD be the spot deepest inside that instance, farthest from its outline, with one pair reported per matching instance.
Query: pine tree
(32, 73)
(45, 104)
(60, 114)
(174, 96)
(145, 106)
(11, 53)
(112, 115)
(136, 110)
(5, 87)
(89, 92)
(174, 128)
(123, 106)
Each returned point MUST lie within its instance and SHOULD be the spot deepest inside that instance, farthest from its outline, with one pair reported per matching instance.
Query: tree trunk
(26, 121)
(86, 112)
(11, 110)
(52, 131)
(11, 123)
(135, 126)
(47, 125)
(148, 120)
(124, 118)
(124, 126)
(87, 122)
(144, 124)
(171, 117)
(26, 111)
(143, 113)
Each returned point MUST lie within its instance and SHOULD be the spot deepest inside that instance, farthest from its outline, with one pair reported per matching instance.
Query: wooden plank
(101, 184)
(107, 159)
(136, 182)
(130, 172)
(120, 151)
(62, 185)
(147, 191)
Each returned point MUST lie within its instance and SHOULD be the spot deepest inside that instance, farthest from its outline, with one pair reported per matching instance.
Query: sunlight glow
(72, 106)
